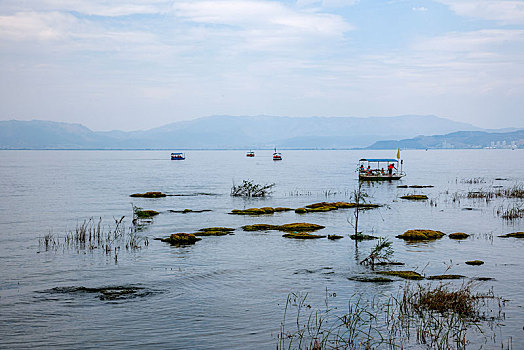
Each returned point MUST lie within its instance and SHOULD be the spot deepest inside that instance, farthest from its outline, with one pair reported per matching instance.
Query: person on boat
(390, 169)
(382, 171)
(362, 168)
(368, 170)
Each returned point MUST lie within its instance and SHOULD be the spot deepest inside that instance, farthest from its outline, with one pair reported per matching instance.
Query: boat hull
(365, 177)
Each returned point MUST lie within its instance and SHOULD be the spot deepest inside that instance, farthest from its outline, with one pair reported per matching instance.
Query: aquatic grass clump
(416, 197)
(214, 231)
(458, 235)
(294, 227)
(410, 275)
(250, 189)
(145, 214)
(359, 236)
(149, 195)
(181, 239)
(335, 237)
(302, 235)
(445, 277)
(511, 212)
(513, 234)
(259, 211)
(421, 235)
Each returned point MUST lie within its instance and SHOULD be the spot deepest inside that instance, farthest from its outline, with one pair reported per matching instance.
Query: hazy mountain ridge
(229, 132)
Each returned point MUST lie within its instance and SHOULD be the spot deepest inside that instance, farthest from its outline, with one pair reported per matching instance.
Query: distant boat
(178, 156)
(250, 154)
(277, 155)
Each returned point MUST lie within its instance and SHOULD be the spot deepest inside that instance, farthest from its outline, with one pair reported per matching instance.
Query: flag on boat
(398, 153)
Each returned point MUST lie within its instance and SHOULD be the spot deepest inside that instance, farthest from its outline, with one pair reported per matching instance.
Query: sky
(140, 64)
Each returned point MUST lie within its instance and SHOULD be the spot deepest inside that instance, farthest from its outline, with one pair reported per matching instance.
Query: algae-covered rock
(320, 209)
(415, 197)
(371, 279)
(149, 195)
(258, 227)
(475, 262)
(445, 277)
(421, 235)
(410, 275)
(361, 237)
(301, 210)
(458, 235)
(145, 214)
(214, 231)
(279, 209)
(181, 239)
(514, 234)
(253, 211)
(299, 226)
(344, 205)
(302, 235)
(318, 205)
(334, 237)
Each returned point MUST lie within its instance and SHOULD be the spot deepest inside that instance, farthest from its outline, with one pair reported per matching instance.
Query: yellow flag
(398, 153)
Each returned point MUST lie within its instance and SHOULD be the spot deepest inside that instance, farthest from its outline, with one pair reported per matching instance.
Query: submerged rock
(514, 234)
(301, 210)
(259, 211)
(294, 227)
(445, 277)
(475, 262)
(185, 211)
(361, 237)
(415, 197)
(458, 235)
(214, 231)
(421, 235)
(149, 195)
(334, 237)
(302, 235)
(145, 214)
(259, 227)
(371, 279)
(105, 293)
(328, 206)
(181, 239)
(410, 275)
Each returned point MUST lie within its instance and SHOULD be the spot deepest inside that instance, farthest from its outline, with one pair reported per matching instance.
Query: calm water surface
(228, 292)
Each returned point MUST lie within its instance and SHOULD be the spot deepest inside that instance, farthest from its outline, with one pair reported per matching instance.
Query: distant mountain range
(231, 132)
(460, 139)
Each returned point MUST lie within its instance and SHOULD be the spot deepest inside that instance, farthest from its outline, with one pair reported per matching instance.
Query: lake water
(229, 292)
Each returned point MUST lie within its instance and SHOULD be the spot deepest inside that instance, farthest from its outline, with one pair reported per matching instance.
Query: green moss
(421, 235)
(514, 234)
(361, 237)
(181, 239)
(458, 235)
(149, 195)
(475, 262)
(415, 197)
(299, 226)
(334, 237)
(301, 210)
(445, 277)
(302, 235)
(145, 214)
(410, 275)
(259, 227)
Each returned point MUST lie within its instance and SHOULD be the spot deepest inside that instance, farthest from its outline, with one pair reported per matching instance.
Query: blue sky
(129, 65)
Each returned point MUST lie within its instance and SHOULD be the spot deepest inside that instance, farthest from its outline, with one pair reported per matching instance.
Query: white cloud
(505, 11)
(419, 9)
(36, 26)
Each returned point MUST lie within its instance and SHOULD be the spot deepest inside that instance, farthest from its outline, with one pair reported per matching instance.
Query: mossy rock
(416, 197)
(514, 234)
(421, 235)
(369, 205)
(445, 277)
(214, 231)
(145, 214)
(149, 195)
(299, 226)
(301, 210)
(258, 227)
(253, 211)
(302, 235)
(475, 262)
(321, 209)
(458, 235)
(344, 205)
(318, 205)
(279, 209)
(334, 237)
(361, 237)
(410, 275)
(371, 279)
(181, 239)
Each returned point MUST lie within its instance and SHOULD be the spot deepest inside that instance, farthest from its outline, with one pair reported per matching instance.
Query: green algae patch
(181, 239)
(371, 279)
(445, 277)
(215, 231)
(410, 275)
(334, 237)
(145, 214)
(149, 195)
(415, 197)
(458, 235)
(421, 235)
(361, 237)
(514, 234)
(299, 226)
(302, 235)
(259, 227)
(475, 262)
(301, 210)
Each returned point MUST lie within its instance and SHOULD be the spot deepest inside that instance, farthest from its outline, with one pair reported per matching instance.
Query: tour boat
(380, 169)
(277, 155)
(250, 154)
(178, 156)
